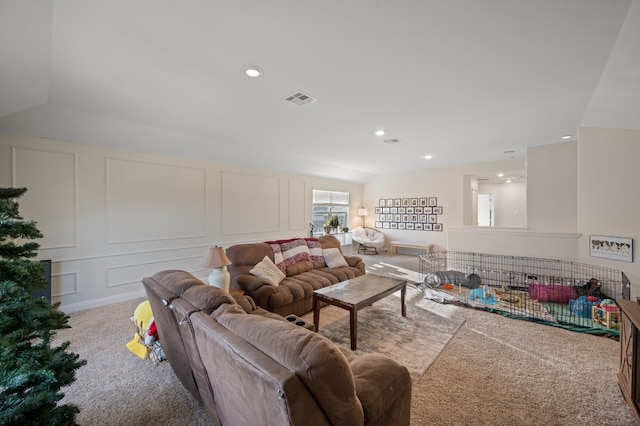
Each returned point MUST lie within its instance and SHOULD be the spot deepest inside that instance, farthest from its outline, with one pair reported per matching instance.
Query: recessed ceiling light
(500, 174)
(509, 181)
(254, 71)
(428, 157)
(566, 137)
(379, 132)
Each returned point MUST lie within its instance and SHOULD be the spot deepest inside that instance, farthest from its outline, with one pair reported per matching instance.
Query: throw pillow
(268, 270)
(334, 258)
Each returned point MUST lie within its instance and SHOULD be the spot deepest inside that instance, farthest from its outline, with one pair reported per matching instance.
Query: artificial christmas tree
(32, 370)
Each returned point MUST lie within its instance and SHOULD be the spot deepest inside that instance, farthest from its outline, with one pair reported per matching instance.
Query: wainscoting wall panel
(298, 208)
(51, 197)
(64, 284)
(111, 217)
(150, 201)
(250, 203)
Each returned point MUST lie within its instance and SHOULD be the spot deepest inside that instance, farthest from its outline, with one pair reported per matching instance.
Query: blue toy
(482, 295)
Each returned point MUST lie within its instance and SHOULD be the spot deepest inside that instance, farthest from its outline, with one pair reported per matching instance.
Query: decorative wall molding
(52, 193)
(133, 273)
(150, 201)
(65, 286)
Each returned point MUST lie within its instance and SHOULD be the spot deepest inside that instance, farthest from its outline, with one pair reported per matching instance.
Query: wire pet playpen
(567, 294)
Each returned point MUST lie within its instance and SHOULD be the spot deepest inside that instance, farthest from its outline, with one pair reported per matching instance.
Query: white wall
(510, 203)
(552, 181)
(608, 194)
(111, 217)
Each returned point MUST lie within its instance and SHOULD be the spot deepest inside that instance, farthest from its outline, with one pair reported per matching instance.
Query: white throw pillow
(268, 270)
(333, 258)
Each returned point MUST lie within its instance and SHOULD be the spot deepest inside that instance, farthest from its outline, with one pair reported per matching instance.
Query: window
(327, 204)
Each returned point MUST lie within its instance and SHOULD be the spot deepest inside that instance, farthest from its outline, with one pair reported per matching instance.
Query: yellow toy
(145, 343)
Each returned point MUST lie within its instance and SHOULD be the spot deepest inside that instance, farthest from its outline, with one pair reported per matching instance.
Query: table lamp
(218, 260)
(362, 212)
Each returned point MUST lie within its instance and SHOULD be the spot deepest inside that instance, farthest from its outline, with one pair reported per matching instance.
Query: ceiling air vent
(391, 141)
(300, 98)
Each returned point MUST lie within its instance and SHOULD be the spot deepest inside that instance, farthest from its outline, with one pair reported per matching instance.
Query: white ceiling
(462, 80)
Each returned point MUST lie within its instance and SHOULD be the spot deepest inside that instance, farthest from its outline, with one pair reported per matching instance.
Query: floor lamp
(219, 275)
(362, 212)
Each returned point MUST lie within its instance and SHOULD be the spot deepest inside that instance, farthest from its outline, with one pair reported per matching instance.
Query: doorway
(485, 210)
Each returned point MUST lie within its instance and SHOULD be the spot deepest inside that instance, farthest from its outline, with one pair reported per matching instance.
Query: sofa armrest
(383, 387)
(250, 283)
(353, 260)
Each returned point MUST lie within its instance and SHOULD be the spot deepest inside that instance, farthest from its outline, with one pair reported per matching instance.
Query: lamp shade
(362, 212)
(217, 258)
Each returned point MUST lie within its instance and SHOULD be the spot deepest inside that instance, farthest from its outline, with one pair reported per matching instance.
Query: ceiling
(465, 81)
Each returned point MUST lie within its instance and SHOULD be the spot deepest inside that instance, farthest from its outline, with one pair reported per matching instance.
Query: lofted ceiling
(464, 81)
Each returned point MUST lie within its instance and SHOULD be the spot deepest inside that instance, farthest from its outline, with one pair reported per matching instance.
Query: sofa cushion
(268, 270)
(299, 268)
(334, 258)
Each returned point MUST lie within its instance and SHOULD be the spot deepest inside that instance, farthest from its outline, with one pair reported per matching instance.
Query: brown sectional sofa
(248, 366)
(294, 295)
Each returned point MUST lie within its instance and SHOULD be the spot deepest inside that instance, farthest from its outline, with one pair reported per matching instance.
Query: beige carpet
(494, 371)
(414, 340)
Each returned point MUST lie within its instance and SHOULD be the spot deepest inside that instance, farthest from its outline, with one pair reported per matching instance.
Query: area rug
(414, 341)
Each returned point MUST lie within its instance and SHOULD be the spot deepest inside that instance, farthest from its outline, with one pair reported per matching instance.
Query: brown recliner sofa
(294, 295)
(248, 366)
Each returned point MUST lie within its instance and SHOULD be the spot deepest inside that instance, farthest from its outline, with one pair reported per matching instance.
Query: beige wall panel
(51, 197)
(149, 201)
(250, 203)
(133, 274)
(64, 284)
(297, 205)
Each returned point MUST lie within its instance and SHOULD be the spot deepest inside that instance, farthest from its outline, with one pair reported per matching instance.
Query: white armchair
(369, 239)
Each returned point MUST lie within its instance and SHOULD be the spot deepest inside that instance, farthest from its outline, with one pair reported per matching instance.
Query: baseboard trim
(103, 301)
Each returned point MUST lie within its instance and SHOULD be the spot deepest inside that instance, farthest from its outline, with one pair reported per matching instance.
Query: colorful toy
(145, 342)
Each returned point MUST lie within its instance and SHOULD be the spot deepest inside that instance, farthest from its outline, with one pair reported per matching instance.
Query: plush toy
(146, 337)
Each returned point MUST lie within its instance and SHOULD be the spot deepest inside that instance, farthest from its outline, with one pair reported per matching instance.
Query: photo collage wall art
(413, 214)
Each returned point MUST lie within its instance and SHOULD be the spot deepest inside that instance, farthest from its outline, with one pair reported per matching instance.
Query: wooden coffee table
(356, 294)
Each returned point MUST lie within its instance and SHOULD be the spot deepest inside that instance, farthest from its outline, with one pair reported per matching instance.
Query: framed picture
(418, 210)
(410, 210)
(428, 210)
(422, 218)
(397, 202)
(385, 209)
(393, 210)
(405, 218)
(397, 217)
(402, 210)
(382, 202)
(394, 225)
(419, 226)
(437, 210)
(378, 224)
(414, 218)
(405, 202)
(410, 226)
(433, 218)
(428, 227)
(378, 210)
(616, 248)
(433, 201)
(401, 226)
(385, 225)
(382, 217)
(389, 202)
(414, 202)
(437, 227)
(423, 202)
